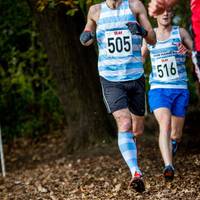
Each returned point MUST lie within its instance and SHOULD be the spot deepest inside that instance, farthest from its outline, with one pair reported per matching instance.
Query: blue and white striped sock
(128, 150)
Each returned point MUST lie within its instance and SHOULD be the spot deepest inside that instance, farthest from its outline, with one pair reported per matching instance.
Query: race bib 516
(118, 43)
(166, 68)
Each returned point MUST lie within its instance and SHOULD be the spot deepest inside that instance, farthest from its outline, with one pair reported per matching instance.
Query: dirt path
(98, 173)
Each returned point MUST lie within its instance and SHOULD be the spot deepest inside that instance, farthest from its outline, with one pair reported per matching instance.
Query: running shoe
(174, 147)
(169, 173)
(137, 183)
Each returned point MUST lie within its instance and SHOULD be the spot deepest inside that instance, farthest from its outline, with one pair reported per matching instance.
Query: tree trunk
(75, 72)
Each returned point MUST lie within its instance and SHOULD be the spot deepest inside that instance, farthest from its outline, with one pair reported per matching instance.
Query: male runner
(168, 95)
(158, 6)
(119, 38)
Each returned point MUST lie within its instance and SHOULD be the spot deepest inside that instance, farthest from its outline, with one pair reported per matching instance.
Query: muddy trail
(42, 170)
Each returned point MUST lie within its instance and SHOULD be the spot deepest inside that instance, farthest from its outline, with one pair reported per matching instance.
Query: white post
(2, 156)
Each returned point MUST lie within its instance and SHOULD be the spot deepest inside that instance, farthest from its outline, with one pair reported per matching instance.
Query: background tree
(75, 72)
(29, 105)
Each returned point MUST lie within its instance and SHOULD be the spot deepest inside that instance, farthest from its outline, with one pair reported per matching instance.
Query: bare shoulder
(183, 32)
(94, 11)
(95, 8)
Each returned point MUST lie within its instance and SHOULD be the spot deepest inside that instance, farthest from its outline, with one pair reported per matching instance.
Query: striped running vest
(168, 67)
(119, 51)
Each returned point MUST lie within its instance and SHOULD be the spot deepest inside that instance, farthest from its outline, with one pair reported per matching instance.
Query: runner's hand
(182, 49)
(136, 29)
(86, 36)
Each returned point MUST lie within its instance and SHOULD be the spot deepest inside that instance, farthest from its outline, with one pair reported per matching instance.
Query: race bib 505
(118, 43)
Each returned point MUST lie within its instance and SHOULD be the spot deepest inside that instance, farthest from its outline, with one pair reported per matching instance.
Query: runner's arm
(88, 34)
(144, 50)
(138, 9)
(186, 40)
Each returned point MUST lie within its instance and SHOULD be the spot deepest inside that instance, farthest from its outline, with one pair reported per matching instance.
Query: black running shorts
(126, 94)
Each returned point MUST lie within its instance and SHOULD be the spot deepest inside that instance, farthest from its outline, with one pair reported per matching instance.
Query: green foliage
(73, 5)
(72, 11)
(28, 102)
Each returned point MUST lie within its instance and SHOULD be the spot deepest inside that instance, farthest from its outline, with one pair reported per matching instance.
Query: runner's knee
(165, 126)
(123, 123)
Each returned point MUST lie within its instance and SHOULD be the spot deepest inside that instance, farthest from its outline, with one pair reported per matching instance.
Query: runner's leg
(163, 116)
(176, 132)
(126, 141)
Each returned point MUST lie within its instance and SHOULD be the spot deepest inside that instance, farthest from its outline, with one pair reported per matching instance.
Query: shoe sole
(169, 175)
(138, 185)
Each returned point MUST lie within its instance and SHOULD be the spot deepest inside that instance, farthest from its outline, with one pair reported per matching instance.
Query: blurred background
(49, 81)
(59, 141)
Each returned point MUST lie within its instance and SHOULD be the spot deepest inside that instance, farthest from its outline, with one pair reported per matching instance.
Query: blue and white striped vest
(168, 67)
(119, 51)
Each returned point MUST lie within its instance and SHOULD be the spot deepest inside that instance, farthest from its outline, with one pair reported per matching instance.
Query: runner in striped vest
(163, 52)
(119, 51)
(169, 95)
(119, 37)
(158, 6)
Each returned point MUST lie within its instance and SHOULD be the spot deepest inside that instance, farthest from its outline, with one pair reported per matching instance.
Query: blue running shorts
(176, 100)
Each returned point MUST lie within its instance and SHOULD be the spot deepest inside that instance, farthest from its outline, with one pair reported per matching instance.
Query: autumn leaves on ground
(42, 170)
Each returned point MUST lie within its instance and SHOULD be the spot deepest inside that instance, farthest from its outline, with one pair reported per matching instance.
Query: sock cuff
(170, 165)
(126, 134)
